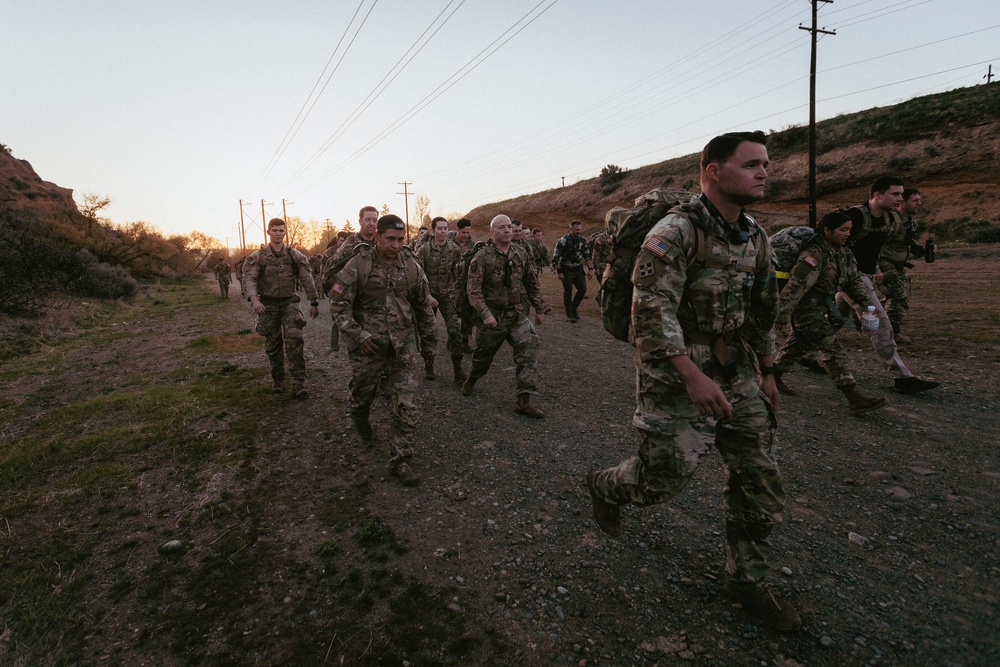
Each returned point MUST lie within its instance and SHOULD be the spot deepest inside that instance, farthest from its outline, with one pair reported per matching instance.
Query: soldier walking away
(269, 276)
(873, 223)
(703, 330)
(571, 261)
(223, 274)
(441, 261)
(501, 280)
(335, 257)
(824, 267)
(894, 262)
(377, 300)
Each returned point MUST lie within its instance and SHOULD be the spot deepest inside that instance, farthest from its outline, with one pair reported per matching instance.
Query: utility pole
(284, 213)
(263, 218)
(243, 230)
(989, 73)
(406, 198)
(812, 109)
(564, 181)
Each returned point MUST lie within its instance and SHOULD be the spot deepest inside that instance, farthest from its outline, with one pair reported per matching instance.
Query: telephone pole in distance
(812, 109)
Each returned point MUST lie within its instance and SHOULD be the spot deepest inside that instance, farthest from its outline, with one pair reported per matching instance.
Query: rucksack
(786, 246)
(627, 229)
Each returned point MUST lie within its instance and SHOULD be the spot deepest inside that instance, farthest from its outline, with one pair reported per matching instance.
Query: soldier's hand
(539, 318)
(708, 396)
(369, 348)
(432, 302)
(258, 307)
(490, 322)
(770, 389)
(313, 312)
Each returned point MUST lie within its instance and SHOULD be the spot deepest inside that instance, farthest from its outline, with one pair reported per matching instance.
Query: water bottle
(869, 321)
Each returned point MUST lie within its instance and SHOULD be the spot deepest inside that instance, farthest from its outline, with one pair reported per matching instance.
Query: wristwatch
(768, 370)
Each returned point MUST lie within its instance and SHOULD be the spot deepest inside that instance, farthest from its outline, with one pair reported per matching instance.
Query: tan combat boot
(429, 368)
(760, 601)
(525, 407)
(607, 515)
(469, 385)
(859, 403)
(460, 375)
(406, 474)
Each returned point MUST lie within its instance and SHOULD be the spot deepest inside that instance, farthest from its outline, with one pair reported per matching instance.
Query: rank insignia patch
(657, 245)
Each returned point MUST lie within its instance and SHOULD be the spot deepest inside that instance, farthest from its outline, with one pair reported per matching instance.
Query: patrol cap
(390, 221)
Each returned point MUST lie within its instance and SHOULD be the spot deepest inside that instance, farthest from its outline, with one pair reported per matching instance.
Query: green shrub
(101, 280)
(989, 234)
(901, 163)
(611, 176)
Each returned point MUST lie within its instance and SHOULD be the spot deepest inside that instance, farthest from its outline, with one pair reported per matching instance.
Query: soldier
(570, 259)
(500, 277)
(316, 268)
(223, 273)
(463, 235)
(601, 251)
(894, 261)
(269, 276)
(376, 300)
(824, 267)
(703, 331)
(873, 223)
(441, 261)
(238, 269)
(335, 260)
(540, 253)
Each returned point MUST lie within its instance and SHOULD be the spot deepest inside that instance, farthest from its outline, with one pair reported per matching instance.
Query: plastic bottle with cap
(869, 321)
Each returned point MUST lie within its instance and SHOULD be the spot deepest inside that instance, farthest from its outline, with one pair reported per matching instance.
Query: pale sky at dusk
(177, 109)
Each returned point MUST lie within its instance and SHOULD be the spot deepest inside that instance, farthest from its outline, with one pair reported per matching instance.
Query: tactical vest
(276, 273)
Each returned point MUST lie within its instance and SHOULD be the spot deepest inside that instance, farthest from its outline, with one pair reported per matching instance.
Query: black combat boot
(469, 385)
(362, 424)
(429, 368)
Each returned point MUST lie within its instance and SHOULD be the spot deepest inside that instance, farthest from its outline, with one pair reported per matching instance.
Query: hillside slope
(21, 187)
(946, 144)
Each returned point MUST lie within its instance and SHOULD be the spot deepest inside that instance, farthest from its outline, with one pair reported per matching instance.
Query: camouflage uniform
(570, 258)
(899, 246)
(601, 252)
(540, 254)
(370, 298)
(238, 269)
(868, 235)
(316, 268)
(271, 277)
(224, 275)
(442, 264)
(333, 259)
(720, 313)
(465, 311)
(500, 284)
(820, 272)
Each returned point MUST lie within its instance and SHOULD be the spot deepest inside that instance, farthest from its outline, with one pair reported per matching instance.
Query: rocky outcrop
(21, 187)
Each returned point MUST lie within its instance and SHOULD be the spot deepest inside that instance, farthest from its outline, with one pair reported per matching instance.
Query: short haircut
(389, 221)
(833, 220)
(883, 183)
(722, 147)
(536, 230)
(435, 221)
(909, 192)
(515, 223)
(274, 222)
(463, 223)
(575, 223)
(361, 213)
(342, 234)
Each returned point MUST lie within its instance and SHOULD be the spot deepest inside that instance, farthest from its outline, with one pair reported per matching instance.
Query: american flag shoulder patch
(339, 287)
(811, 261)
(657, 245)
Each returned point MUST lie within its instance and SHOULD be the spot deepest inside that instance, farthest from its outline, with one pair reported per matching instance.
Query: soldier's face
(891, 199)
(368, 223)
(441, 231)
(743, 177)
(538, 237)
(501, 232)
(912, 205)
(462, 235)
(575, 230)
(276, 233)
(838, 237)
(390, 242)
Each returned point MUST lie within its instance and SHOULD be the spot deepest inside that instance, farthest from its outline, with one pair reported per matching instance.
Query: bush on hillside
(610, 178)
(989, 234)
(99, 279)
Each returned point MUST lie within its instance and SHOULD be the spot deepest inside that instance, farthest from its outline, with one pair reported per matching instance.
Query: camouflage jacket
(442, 264)
(499, 281)
(901, 243)
(819, 273)
(570, 253)
(335, 258)
(540, 253)
(271, 275)
(222, 270)
(601, 251)
(732, 294)
(370, 298)
(869, 234)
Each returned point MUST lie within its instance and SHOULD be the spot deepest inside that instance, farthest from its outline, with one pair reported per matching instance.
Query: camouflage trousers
(884, 342)
(895, 285)
(396, 367)
(449, 311)
(673, 437)
(466, 315)
(224, 287)
(812, 332)
(281, 327)
(517, 330)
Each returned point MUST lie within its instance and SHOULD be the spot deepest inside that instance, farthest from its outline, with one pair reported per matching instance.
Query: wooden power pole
(406, 199)
(812, 109)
